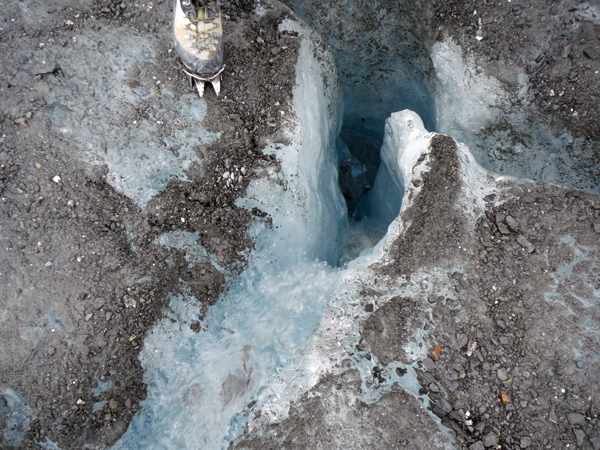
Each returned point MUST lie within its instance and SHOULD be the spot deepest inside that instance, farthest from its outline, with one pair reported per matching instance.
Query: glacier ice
(293, 314)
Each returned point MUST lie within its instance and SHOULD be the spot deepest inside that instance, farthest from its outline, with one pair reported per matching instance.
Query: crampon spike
(200, 87)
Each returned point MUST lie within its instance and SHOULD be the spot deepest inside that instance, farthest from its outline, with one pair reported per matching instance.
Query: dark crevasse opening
(384, 67)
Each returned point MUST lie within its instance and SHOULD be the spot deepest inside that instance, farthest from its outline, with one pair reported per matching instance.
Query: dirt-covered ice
(127, 205)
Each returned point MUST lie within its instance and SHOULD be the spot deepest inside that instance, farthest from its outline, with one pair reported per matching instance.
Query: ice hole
(383, 66)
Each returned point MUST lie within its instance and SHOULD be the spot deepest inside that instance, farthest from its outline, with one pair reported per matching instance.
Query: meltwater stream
(200, 385)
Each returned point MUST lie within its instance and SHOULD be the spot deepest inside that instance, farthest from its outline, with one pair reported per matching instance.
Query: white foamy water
(199, 383)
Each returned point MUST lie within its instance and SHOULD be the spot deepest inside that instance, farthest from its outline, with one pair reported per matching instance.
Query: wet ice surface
(255, 345)
(258, 344)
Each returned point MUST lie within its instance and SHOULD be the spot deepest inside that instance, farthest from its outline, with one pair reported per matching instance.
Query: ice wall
(318, 106)
(404, 136)
(304, 199)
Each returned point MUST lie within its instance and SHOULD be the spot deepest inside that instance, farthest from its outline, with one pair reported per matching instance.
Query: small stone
(434, 388)
(88, 317)
(132, 83)
(523, 242)
(505, 398)
(461, 340)
(435, 354)
(38, 165)
(570, 369)
(512, 223)
(108, 316)
(551, 414)
(576, 418)
(502, 228)
(70, 203)
(369, 307)
(112, 404)
(502, 374)
(442, 407)
(56, 179)
(477, 446)
(458, 276)
(429, 364)
(225, 175)
(80, 402)
(597, 227)
(94, 217)
(579, 435)
(129, 302)
(580, 364)
(525, 442)
(471, 349)
(490, 440)
(565, 51)
(458, 415)
(99, 302)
